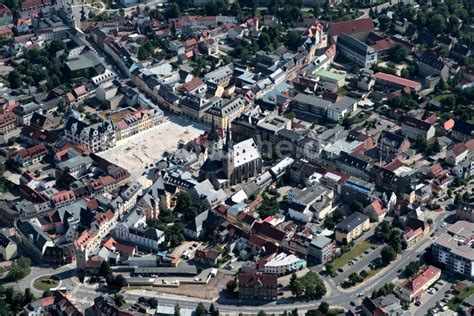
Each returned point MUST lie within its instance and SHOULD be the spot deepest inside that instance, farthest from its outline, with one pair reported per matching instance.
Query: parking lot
(435, 297)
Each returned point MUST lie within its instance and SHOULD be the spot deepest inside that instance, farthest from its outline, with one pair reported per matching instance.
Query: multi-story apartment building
(284, 264)
(29, 156)
(8, 122)
(352, 227)
(135, 122)
(355, 189)
(355, 50)
(147, 238)
(258, 286)
(454, 250)
(221, 76)
(414, 128)
(225, 113)
(321, 249)
(96, 137)
(309, 107)
(24, 112)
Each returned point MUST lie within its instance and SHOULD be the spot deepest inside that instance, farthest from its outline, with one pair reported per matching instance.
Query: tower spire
(228, 138)
(214, 136)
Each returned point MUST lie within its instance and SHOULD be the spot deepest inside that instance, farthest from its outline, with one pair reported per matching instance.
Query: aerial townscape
(236, 157)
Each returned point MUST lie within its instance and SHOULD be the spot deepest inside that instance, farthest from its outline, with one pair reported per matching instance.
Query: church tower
(228, 154)
(213, 142)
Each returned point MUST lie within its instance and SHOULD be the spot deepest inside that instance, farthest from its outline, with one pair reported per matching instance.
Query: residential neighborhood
(241, 157)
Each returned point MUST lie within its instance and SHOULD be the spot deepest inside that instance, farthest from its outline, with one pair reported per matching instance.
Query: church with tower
(228, 164)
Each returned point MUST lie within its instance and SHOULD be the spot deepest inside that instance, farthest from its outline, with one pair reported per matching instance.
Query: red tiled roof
(79, 91)
(393, 165)
(107, 180)
(190, 42)
(470, 145)
(458, 149)
(6, 31)
(377, 207)
(410, 234)
(109, 243)
(436, 169)
(34, 151)
(7, 118)
(63, 196)
(331, 51)
(193, 84)
(5, 10)
(449, 124)
(383, 44)
(351, 27)
(425, 276)
(82, 239)
(28, 4)
(258, 279)
(397, 80)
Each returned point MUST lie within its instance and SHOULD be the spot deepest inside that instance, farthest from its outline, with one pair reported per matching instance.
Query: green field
(356, 251)
(46, 282)
(457, 300)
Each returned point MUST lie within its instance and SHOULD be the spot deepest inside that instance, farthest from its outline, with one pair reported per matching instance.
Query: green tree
(412, 268)
(388, 254)
(231, 286)
(330, 268)
(20, 268)
(213, 311)
(292, 40)
(458, 199)
(120, 281)
(47, 293)
(105, 270)
(264, 41)
(14, 79)
(201, 310)
(172, 11)
(323, 307)
(56, 46)
(421, 145)
(384, 22)
(383, 231)
(235, 9)
(28, 296)
(119, 300)
(261, 313)
(398, 53)
(177, 310)
(437, 24)
(153, 302)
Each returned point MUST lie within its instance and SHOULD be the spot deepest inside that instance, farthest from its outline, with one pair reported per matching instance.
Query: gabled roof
(258, 280)
(416, 123)
(351, 27)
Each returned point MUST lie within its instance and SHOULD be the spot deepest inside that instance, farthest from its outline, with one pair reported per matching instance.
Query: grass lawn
(371, 273)
(457, 300)
(46, 282)
(354, 252)
(440, 97)
(8, 278)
